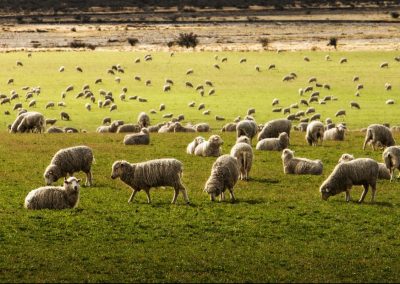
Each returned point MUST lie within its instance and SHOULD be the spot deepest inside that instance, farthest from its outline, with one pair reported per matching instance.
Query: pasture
(279, 230)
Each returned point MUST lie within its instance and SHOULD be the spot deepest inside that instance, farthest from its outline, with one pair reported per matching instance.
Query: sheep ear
(78, 180)
(66, 181)
(327, 189)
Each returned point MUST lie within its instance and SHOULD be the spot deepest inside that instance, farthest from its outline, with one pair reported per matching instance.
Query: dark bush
(171, 43)
(333, 42)
(132, 41)
(187, 40)
(80, 44)
(394, 14)
(264, 42)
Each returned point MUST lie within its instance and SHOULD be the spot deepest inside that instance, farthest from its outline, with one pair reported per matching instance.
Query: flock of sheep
(274, 135)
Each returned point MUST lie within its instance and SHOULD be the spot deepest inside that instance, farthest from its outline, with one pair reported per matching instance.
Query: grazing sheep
(27, 122)
(224, 174)
(243, 60)
(300, 166)
(308, 89)
(304, 102)
(64, 116)
(340, 112)
(391, 158)
(32, 103)
(51, 197)
(55, 129)
(162, 107)
(291, 117)
(354, 104)
(288, 78)
(201, 106)
(10, 81)
(68, 161)
(273, 128)
(17, 106)
(153, 173)
(113, 127)
(310, 110)
(180, 128)
(247, 128)
(388, 87)
(219, 118)
(189, 71)
(88, 106)
(285, 110)
(192, 145)
(251, 111)
(243, 153)
(312, 99)
(312, 80)
(210, 148)
(168, 115)
(106, 120)
(141, 138)
(128, 128)
(390, 102)
(315, 131)
(343, 60)
(383, 172)
(336, 133)
(271, 66)
(360, 86)
(363, 171)
(188, 84)
(206, 112)
(166, 88)
(113, 107)
(378, 134)
(229, 127)
(50, 121)
(384, 65)
(275, 102)
(315, 117)
(279, 109)
(274, 144)
(306, 59)
(143, 120)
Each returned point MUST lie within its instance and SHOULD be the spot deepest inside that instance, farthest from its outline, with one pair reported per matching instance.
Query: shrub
(80, 44)
(132, 41)
(264, 42)
(394, 14)
(187, 40)
(171, 43)
(333, 42)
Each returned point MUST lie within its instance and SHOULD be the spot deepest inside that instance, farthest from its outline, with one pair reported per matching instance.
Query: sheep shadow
(264, 180)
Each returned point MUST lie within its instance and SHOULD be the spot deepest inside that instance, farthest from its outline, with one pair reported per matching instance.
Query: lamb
(391, 158)
(192, 145)
(153, 173)
(336, 133)
(377, 133)
(229, 127)
(274, 144)
(68, 161)
(50, 121)
(383, 172)
(210, 148)
(142, 138)
(273, 128)
(247, 128)
(363, 171)
(54, 197)
(300, 166)
(128, 128)
(143, 120)
(243, 153)
(315, 131)
(224, 174)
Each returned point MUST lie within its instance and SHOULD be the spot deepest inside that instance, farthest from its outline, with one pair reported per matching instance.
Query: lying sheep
(229, 127)
(243, 153)
(383, 172)
(224, 174)
(273, 128)
(247, 128)
(192, 145)
(51, 197)
(377, 133)
(391, 158)
(300, 166)
(50, 121)
(315, 132)
(68, 161)
(180, 128)
(336, 133)
(202, 127)
(210, 148)
(141, 138)
(128, 128)
(155, 128)
(363, 171)
(153, 173)
(340, 112)
(113, 127)
(55, 129)
(274, 144)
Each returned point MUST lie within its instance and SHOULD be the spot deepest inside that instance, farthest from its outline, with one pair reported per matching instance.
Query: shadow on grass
(365, 203)
(264, 180)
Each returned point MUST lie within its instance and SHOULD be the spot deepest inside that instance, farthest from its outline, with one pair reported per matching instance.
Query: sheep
(275, 102)
(68, 161)
(128, 128)
(251, 111)
(274, 144)
(343, 60)
(224, 174)
(70, 130)
(388, 87)
(279, 109)
(327, 58)
(326, 86)
(243, 153)
(391, 158)
(363, 171)
(336, 133)
(88, 106)
(315, 131)
(10, 81)
(206, 112)
(106, 120)
(377, 133)
(142, 138)
(54, 197)
(308, 89)
(359, 87)
(306, 59)
(202, 127)
(180, 128)
(189, 71)
(201, 106)
(64, 116)
(162, 107)
(32, 103)
(219, 118)
(211, 92)
(50, 121)
(315, 117)
(17, 106)
(142, 100)
(302, 126)
(143, 120)
(384, 65)
(155, 128)
(192, 145)
(243, 60)
(55, 129)
(168, 115)
(285, 110)
(354, 104)
(383, 172)
(390, 102)
(312, 99)
(113, 107)
(166, 88)
(148, 83)
(229, 127)
(257, 68)
(273, 128)
(287, 78)
(113, 127)
(28, 121)
(216, 66)
(304, 102)
(271, 66)
(310, 110)
(340, 112)
(247, 128)
(188, 84)
(300, 166)
(152, 173)
(210, 148)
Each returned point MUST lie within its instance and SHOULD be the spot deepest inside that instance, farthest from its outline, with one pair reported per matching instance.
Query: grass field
(279, 231)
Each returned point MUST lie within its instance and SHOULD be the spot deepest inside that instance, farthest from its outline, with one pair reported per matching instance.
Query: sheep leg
(185, 196)
(364, 193)
(176, 193)
(233, 199)
(147, 190)
(89, 177)
(391, 174)
(212, 196)
(132, 195)
(222, 196)
(348, 195)
(373, 186)
(365, 142)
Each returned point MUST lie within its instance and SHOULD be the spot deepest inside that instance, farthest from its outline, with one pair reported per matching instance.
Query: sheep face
(51, 174)
(119, 168)
(72, 184)
(287, 154)
(199, 140)
(243, 139)
(325, 192)
(346, 158)
(215, 139)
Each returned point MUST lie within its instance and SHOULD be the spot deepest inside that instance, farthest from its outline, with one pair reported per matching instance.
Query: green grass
(279, 231)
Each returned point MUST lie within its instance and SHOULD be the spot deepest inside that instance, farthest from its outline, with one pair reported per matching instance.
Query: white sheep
(274, 144)
(300, 166)
(243, 152)
(210, 148)
(383, 172)
(378, 134)
(315, 131)
(54, 197)
(192, 145)
(391, 158)
(336, 133)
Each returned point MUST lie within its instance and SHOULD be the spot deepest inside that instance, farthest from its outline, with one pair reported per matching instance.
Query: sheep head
(51, 174)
